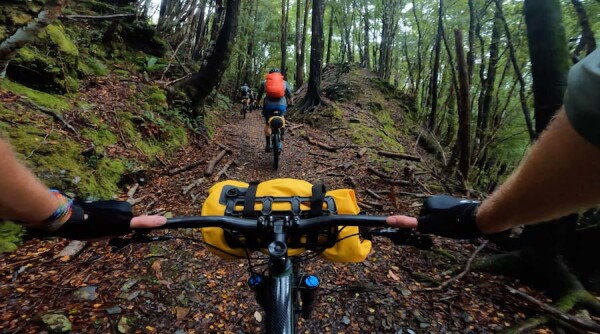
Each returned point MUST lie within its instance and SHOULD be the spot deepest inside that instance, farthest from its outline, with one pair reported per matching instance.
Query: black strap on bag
(316, 210)
(316, 200)
(250, 199)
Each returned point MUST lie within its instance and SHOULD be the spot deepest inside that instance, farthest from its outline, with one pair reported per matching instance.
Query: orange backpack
(274, 85)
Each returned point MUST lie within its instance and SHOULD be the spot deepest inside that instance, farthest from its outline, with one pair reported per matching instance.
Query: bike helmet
(245, 84)
(274, 70)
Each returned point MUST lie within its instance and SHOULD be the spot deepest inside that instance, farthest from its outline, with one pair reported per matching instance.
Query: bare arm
(559, 176)
(261, 91)
(22, 197)
(288, 94)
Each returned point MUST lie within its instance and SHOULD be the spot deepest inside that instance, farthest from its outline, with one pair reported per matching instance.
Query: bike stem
(278, 248)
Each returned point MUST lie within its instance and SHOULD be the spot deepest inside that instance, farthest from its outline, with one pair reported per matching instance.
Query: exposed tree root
(574, 299)
(545, 271)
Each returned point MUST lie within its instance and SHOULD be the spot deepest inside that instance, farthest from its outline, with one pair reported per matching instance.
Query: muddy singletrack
(180, 287)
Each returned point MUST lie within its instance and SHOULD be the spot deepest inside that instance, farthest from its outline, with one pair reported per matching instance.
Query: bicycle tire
(280, 313)
(244, 110)
(275, 141)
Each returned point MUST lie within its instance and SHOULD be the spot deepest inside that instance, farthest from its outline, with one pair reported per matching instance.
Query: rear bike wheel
(244, 109)
(276, 141)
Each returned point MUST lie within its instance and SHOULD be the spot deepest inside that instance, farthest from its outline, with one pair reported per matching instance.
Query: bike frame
(245, 105)
(280, 290)
(276, 141)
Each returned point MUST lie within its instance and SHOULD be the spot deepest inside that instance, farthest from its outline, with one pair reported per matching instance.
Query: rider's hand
(98, 219)
(449, 217)
(445, 216)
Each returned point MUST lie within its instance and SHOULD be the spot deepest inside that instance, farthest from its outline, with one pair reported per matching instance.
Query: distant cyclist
(278, 95)
(245, 92)
(253, 101)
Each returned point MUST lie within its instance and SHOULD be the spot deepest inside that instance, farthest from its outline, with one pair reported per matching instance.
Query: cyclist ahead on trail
(278, 95)
(253, 99)
(245, 96)
(245, 91)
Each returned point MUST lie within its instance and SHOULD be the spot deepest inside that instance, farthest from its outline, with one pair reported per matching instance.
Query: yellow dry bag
(283, 197)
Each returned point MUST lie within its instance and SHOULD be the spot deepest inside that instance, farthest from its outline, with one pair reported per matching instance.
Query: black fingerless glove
(449, 217)
(93, 220)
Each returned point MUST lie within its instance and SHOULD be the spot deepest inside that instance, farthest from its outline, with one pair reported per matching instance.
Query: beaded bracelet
(61, 214)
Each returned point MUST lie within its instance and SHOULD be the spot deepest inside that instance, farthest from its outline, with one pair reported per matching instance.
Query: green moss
(21, 18)
(54, 102)
(10, 236)
(98, 67)
(211, 122)
(156, 98)
(3, 33)
(122, 73)
(57, 35)
(101, 136)
(381, 135)
(337, 113)
(71, 84)
(173, 134)
(103, 181)
(27, 54)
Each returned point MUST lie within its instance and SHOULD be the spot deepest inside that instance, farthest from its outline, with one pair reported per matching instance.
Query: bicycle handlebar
(248, 225)
(293, 225)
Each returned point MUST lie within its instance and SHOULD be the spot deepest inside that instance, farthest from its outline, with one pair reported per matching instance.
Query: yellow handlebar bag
(283, 197)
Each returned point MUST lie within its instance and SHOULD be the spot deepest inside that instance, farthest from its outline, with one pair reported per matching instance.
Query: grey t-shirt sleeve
(261, 89)
(582, 99)
(288, 90)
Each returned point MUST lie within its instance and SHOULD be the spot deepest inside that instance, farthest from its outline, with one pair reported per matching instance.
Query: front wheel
(280, 306)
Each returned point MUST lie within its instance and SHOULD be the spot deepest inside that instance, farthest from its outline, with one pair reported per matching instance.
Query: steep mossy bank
(363, 107)
(94, 75)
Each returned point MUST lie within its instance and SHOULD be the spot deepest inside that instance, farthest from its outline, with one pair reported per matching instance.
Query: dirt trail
(180, 286)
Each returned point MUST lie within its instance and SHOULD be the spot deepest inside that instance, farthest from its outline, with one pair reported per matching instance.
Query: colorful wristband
(62, 214)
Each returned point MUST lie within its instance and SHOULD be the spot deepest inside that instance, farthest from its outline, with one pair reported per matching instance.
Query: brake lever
(405, 237)
(137, 238)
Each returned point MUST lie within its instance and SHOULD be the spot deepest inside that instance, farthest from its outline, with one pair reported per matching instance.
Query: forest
(140, 101)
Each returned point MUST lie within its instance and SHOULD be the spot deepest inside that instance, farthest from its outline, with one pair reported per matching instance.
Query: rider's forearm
(558, 177)
(22, 196)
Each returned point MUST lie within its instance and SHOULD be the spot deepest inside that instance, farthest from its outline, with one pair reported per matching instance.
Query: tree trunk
(250, 69)
(201, 84)
(489, 84)
(330, 35)
(200, 28)
(587, 40)
(9, 47)
(464, 108)
(471, 53)
(299, 76)
(549, 57)
(436, 66)
(284, 35)
(313, 94)
(367, 57)
(513, 59)
(217, 18)
(419, 46)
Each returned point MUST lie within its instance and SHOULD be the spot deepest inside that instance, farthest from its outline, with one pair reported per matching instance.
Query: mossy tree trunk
(312, 98)
(463, 142)
(587, 41)
(202, 83)
(285, 9)
(8, 49)
(549, 57)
